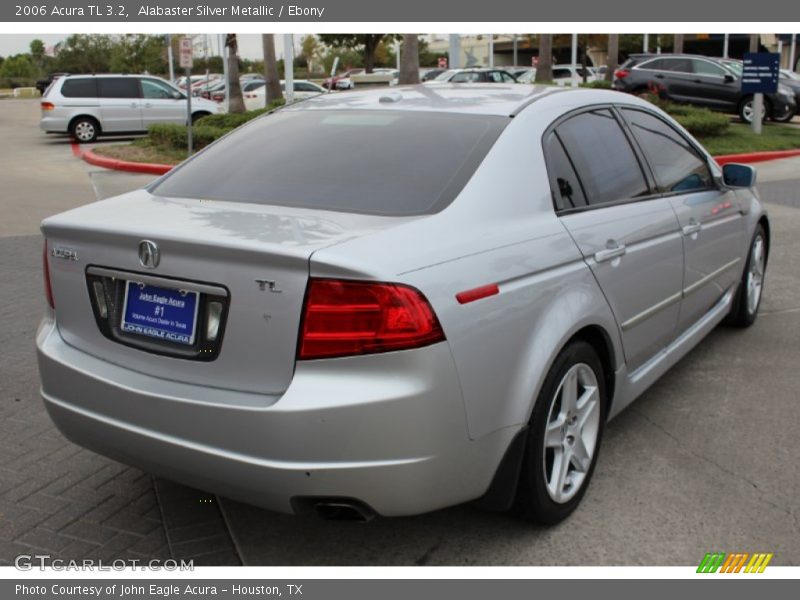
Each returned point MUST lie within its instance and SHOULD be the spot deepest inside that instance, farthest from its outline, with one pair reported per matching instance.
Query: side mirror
(739, 176)
(729, 78)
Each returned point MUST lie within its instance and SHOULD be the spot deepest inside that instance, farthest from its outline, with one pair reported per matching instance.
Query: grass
(143, 151)
(740, 138)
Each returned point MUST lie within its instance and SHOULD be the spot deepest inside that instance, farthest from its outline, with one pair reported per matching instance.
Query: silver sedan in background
(385, 321)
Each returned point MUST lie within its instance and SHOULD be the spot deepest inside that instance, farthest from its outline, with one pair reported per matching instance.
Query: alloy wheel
(755, 276)
(570, 440)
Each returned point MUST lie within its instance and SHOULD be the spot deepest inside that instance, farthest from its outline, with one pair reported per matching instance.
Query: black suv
(698, 80)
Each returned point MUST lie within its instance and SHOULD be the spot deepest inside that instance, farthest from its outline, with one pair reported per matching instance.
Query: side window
(155, 90)
(603, 158)
(656, 64)
(117, 87)
(79, 88)
(703, 67)
(561, 74)
(679, 65)
(675, 163)
(508, 78)
(567, 191)
(496, 77)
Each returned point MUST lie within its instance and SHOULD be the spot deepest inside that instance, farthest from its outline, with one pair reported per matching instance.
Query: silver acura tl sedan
(355, 305)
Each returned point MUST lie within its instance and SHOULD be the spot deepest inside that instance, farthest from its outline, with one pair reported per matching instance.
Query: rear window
(79, 88)
(391, 163)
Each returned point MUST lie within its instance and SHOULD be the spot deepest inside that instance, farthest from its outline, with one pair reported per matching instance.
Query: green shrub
(701, 122)
(601, 84)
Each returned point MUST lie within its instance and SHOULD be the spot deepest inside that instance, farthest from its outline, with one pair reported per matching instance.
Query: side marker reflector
(477, 293)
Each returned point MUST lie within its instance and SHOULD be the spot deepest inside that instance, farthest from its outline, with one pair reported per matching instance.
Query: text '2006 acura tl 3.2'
(389, 320)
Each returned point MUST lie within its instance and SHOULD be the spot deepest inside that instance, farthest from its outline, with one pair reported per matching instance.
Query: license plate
(161, 313)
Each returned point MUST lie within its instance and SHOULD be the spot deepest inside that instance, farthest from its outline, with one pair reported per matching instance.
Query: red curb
(124, 165)
(753, 157)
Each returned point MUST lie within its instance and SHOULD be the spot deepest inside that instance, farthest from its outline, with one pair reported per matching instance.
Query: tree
(235, 98)
(311, 49)
(18, 70)
(37, 51)
(544, 68)
(367, 41)
(82, 53)
(271, 77)
(138, 53)
(677, 43)
(612, 60)
(409, 59)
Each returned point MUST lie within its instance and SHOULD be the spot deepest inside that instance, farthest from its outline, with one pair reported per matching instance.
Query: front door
(159, 104)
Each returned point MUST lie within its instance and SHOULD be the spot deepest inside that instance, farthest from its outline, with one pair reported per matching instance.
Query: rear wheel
(748, 297)
(199, 115)
(564, 436)
(84, 129)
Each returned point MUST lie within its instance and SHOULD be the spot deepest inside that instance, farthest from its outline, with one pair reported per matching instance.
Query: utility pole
(514, 44)
(170, 60)
(454, 54)
(574, 58)
(288, 66)
(725, 42)
(646, 44)
(491, 50)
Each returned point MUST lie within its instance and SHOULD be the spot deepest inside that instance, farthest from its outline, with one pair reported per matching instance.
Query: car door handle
(134, 105)
(659, 76)
(147, 105)
(610, 253)
(692, 228)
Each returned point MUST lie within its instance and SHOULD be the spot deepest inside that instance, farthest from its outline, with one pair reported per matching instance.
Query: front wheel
(748, 298)
(747, 110)
(563, 437)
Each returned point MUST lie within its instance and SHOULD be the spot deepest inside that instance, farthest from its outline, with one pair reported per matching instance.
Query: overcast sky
(249, 44)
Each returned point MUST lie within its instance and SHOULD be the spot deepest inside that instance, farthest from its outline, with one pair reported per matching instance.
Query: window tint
(302, 86)
(155, 89)
(561, 73)
(567, 191)
(676, 165)
(79, 88)
(653, 65)
(681, 65)
(360, 161)
(118, 87)
(603, 158)
(466, 77)
(703, 67)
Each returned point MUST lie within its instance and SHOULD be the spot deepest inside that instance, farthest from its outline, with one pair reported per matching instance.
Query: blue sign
(760, 73)
(161, 313)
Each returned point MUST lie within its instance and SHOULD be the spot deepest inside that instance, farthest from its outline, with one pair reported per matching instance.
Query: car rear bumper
(53, 124)
(386, 430)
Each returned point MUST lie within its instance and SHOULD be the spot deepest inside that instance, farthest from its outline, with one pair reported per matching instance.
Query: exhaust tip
(335, 509)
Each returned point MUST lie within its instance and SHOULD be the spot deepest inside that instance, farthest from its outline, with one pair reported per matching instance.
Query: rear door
(713, 88)
(120, 104)
(679, 79)
(711, 223)
(628, 237)
(159, 104)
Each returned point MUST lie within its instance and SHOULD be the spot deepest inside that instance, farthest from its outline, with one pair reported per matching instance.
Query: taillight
(621, 73)
(48, 290)
(345, 318)
(48, 106)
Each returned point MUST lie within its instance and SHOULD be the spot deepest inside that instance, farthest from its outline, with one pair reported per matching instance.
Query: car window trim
(692, 144)
(644, 167)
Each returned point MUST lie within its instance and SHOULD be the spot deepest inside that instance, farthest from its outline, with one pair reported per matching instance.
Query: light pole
(574, 59)
(288, 66)
(646, 44)
(454, 55)
(725, 46)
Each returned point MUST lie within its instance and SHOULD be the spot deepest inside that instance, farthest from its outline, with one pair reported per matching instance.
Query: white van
(87, 106)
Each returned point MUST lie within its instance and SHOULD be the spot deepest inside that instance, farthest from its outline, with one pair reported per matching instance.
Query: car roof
(463, 98)
(76, 75)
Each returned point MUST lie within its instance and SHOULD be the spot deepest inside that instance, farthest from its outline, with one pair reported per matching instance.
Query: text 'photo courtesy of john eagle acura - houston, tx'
(428, 333)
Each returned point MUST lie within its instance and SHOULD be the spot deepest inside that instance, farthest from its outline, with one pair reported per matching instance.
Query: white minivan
(86, 106)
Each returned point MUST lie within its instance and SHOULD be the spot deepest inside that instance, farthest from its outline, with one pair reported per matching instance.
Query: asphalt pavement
(706, 460)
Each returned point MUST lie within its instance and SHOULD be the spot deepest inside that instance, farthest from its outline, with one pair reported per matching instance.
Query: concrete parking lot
(705, 460)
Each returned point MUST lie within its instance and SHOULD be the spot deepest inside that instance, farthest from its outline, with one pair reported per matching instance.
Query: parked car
(303, 89)
(429, 74)
(476, 75)
(43, 84)
(788, 79)
(262, 325)
(563, 75)
(518, 72)
(87, 106)
(342, 81)
(701, 81)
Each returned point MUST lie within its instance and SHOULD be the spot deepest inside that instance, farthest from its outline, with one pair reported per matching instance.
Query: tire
(746, 109)
(199, 115)
(748, 296)
(84, 130)
(785, 118)
(543, 494)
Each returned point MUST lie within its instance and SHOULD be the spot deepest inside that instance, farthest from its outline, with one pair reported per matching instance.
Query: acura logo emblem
(149, 255)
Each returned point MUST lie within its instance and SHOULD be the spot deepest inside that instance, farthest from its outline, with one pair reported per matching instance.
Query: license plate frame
(174, 317)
